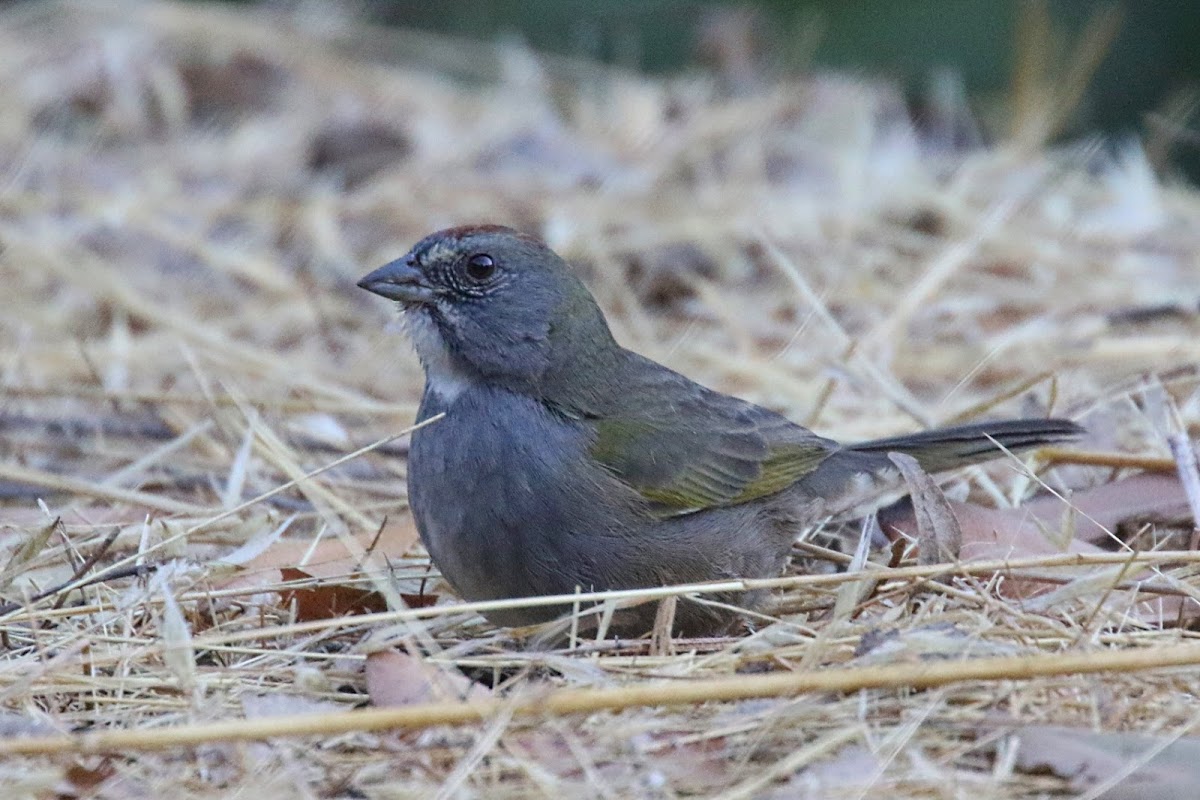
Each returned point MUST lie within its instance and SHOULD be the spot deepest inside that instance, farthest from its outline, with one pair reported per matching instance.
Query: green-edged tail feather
(949, 448)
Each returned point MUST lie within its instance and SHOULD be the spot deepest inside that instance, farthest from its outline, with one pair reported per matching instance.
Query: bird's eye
(480, 267)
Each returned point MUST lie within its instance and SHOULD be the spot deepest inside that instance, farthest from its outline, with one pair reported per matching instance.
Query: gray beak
(399, 280)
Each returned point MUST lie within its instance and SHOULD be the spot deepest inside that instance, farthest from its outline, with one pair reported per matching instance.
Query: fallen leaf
(80, 779)
(939, 538)
(1030, 530)
(1106, 508)
(990, 533)
(852, 767)
(1088, 759)
(399, 679)
(423, 600)
(329, 599)
(691, 767)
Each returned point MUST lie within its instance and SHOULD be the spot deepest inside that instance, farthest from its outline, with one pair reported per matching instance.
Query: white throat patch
(442, 376)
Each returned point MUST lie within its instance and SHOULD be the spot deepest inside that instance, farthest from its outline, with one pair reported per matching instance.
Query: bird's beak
(399, 280)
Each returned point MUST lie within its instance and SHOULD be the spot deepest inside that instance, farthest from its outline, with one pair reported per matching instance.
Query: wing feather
(697, 448)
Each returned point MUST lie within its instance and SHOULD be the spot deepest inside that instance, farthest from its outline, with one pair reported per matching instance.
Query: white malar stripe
(442, 376)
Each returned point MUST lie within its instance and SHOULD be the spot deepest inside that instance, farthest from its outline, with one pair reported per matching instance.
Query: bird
(565, 462)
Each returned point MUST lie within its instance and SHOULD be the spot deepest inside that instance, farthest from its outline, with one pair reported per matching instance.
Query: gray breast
(509, 504)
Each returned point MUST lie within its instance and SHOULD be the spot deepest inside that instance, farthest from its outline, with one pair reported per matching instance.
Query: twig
(922, 675)
(86, 566)
(1014, 568)
(1061, 455)
(1007, 566)
(110, 574)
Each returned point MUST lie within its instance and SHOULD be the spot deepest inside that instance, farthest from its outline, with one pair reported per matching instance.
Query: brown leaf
(693, 767)
(1107, 507)
(422, 600)
(1088, 759)
(1044, 526)
(328, 600)
(688, 767)
(82, 779)
(939, 538)
(852, 767)
(398, 679)
(1000, 533)
(992, 534)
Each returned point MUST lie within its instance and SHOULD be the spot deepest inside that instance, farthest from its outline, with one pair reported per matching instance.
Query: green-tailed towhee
(565, 460)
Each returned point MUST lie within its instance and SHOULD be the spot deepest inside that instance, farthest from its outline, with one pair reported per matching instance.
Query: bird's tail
(948, 448)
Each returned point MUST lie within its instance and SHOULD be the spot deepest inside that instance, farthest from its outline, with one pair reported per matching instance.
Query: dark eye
(480, 267)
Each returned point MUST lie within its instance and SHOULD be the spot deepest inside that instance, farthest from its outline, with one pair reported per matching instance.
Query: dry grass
(187, 195)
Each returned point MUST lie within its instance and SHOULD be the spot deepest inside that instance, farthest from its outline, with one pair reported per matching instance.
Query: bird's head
(487, 303)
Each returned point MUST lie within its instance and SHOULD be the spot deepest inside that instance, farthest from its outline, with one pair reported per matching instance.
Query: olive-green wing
(686, 448)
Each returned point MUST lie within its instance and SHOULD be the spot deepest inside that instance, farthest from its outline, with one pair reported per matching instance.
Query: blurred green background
(1144, 78)
(1150, 65)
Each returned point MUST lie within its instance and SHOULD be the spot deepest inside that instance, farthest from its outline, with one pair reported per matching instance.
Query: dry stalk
(582, 701)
